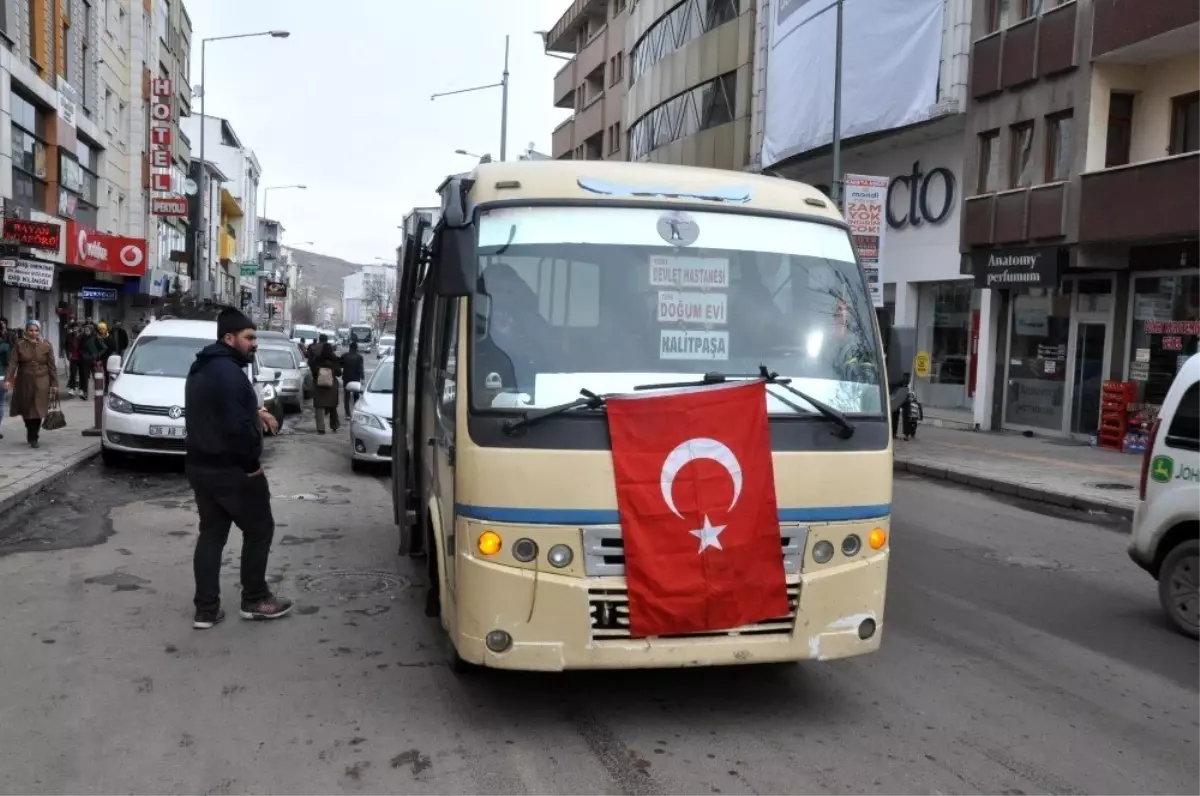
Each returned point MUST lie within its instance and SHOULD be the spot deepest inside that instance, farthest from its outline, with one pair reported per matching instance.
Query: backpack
(325, 377)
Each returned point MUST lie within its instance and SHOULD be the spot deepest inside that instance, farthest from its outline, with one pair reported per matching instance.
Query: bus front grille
(609, 610)
(604, 550)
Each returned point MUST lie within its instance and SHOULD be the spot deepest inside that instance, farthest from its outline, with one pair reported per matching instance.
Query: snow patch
(849, 622)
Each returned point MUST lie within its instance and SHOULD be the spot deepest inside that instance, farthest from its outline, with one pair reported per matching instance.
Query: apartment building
(233, 216)
(1082, 204)
(591, 83)
(69, 166)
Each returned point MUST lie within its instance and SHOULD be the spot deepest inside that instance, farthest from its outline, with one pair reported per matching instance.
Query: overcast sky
(343, 105)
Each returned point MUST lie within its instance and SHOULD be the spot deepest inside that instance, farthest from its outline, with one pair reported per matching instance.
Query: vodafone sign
(100, 252)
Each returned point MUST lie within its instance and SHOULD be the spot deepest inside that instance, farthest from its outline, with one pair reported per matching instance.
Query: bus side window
(448, 357)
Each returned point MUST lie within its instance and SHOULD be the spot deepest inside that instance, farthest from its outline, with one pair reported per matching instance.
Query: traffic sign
(249, 269)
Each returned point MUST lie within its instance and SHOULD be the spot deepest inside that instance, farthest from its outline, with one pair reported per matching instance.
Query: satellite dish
(190, 187)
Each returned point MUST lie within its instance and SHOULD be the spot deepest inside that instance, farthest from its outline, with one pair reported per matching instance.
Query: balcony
(590, 120)
(1138, 31)
(564, 86)
(562, 140)
(1035, 48)
(564, 36)
(1022, 215)
(227, 247)
(1141, 201)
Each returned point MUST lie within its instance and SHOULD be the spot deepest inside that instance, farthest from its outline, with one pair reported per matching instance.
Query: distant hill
(324, 274)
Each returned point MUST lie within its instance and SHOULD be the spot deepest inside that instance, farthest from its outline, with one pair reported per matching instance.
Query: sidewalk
(1057, 471)
(24, 470)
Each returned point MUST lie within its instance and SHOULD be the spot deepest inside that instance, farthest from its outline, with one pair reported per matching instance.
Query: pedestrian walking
(353, 369)
(32, 379)
(91, 351)
(5, 357)
(224, 446)
(326, 368)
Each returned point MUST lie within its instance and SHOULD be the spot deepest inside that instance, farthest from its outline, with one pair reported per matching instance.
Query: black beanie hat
(232, 321)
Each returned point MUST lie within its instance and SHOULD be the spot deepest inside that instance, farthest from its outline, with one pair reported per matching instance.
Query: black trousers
(32, 428)
(85, 367)
(225, 498)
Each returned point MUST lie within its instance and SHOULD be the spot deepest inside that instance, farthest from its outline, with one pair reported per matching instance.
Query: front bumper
(555, 619)
(370, 444)
(131, 434)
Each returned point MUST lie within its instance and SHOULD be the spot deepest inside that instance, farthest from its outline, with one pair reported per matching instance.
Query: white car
(387, 346)
(371, 418)
(144, 409)
(1165, 540)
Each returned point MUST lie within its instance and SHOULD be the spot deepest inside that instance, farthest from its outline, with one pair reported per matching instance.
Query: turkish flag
(696, 494)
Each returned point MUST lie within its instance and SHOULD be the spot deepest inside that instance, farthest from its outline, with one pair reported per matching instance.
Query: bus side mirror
(454, 262)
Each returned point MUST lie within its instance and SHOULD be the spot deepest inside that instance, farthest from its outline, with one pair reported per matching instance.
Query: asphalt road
(1023, 653)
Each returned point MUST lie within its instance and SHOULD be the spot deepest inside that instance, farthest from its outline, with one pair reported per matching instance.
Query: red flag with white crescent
(699, 518)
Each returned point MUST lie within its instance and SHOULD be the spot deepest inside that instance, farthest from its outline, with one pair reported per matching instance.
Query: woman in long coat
(326, 399)
(31, 378)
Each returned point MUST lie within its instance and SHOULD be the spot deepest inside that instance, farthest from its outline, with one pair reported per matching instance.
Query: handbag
(54, 419)
(325, 377)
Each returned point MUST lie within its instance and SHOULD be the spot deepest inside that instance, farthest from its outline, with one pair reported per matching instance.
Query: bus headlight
(560, 556)
(525, 550)
(822, 552)
(851, 545)
(489, 543)
(877, 538)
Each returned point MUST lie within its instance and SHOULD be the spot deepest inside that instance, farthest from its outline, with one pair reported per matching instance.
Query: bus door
(406, 454)
(444, 395)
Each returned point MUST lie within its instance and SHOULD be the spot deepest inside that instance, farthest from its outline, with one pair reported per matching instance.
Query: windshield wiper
(589, 400)
(845, 427)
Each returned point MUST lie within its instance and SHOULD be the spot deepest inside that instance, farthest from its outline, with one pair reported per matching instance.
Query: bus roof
(560, 179)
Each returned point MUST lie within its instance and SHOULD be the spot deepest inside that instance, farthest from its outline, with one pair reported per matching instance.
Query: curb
(70, 465)
(1037, 494)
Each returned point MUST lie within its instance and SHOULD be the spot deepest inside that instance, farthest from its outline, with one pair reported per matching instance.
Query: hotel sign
(162, 117)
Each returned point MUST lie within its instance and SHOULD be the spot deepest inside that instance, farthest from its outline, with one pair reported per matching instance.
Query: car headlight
(367, 419)
(119, 404)
(269, 392)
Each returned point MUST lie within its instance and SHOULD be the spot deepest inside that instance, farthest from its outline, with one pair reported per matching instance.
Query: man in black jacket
(224, 445)
(353, 369)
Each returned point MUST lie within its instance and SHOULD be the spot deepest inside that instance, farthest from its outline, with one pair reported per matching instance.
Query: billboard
(891, 51)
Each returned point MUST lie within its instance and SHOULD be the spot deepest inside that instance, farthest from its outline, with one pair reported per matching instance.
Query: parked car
(387, 345)
(371, 418)
(144, 409)
(295, 377)
(1165, 540)
(267, 386)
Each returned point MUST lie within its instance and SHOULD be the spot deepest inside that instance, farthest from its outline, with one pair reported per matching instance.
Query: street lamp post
(262, 259)
(202, 233)
(503, 86)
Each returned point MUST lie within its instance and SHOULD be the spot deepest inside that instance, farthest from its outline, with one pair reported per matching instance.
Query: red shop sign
(112, 253)
(35, 234)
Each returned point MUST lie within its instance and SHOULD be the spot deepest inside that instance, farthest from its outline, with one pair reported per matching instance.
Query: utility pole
(503, 86)
(836, 185)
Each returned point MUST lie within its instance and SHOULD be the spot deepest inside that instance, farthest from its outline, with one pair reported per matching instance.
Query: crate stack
(1114, 413)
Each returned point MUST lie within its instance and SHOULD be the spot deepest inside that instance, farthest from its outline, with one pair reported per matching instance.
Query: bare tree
(304, 308)
(377, 297)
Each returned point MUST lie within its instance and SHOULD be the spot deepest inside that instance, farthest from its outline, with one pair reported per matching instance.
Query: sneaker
(270, 608)
(203, 620)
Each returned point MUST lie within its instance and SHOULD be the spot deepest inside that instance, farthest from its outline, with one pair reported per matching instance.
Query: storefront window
(1037, 358)
(1165, 331)
(944, 332)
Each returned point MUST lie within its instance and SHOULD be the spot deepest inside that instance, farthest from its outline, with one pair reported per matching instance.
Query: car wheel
(110, 457)
(1177, 587)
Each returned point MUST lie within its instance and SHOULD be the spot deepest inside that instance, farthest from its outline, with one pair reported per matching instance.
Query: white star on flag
(709, 535)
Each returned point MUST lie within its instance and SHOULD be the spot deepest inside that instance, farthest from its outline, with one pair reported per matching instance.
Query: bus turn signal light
(489, 543)
(877, 538)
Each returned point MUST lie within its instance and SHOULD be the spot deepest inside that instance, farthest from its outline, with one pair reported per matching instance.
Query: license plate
(168, 431)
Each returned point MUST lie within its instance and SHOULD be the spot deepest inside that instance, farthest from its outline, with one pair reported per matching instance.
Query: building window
(1165, 331)
(997, 15)
(163, 22)
(989, 162)
(1020, 164)
(944, 330)
(1029, 8)
(30, 35)
(1120, 129)
(86, 36)
(1059, 130)
(1185, 123)
(689, 20)
(616, 68)
(614, 138)
(617, 7)
(28, 153)
(705, 106)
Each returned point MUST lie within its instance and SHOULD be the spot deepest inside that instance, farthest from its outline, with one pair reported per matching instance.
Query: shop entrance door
(1088, 379)
(1090, 351)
